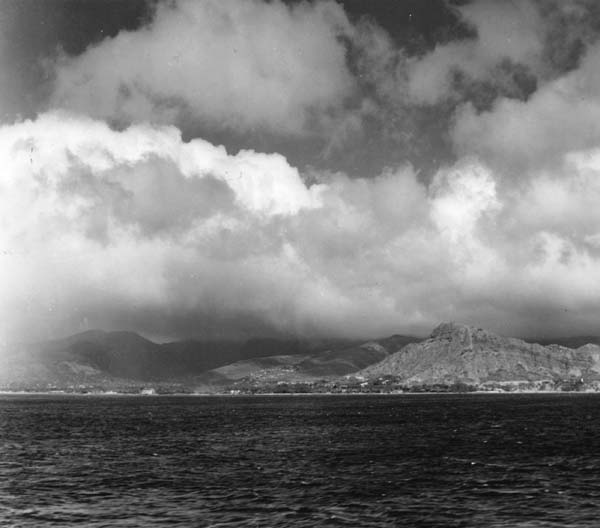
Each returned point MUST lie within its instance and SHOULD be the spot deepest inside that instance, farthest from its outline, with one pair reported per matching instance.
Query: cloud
(133, 227)
(562, 116)
(140, 229)
(307, 80)
(507, 33)
(96, 219)
(495, 49)
(230, 65)
(461, 196)
(499, 49)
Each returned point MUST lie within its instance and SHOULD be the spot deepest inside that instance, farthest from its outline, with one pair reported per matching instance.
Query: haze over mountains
(98, 360)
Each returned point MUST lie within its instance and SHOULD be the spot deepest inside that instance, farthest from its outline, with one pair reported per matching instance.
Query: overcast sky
(230, 168)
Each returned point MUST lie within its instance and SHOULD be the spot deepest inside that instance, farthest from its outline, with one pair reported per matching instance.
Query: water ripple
(453, 461)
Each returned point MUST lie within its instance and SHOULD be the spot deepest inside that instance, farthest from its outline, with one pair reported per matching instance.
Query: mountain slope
(569, 342)
(329, 363)
(454, 353)
(108, 359)
(98, 357)
(459, 353)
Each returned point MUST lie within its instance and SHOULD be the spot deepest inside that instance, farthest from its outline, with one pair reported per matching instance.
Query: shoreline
(288, 394)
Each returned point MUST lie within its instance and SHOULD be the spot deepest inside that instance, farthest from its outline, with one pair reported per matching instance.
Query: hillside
(119, 359)
(103, 359)
(569, 342)
(458, 353)
(333, 362)
(99, 360)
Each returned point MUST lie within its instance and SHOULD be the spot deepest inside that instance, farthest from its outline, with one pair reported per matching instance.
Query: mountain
(109, 360)
(98, 360)
(332, 362)
(569, 342)
(462, 354)
(124, 355)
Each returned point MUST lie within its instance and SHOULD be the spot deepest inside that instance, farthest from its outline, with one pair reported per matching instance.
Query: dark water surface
(360, 461)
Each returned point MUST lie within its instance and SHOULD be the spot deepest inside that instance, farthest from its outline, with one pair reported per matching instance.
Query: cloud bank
(106, 228)
(110, 217)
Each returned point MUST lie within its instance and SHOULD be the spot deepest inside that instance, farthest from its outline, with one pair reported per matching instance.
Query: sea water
(360, 461)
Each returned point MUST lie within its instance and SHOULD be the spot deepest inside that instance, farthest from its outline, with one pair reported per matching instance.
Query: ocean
(484, 460)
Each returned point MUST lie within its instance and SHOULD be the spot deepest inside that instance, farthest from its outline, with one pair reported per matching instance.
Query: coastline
(287, 395)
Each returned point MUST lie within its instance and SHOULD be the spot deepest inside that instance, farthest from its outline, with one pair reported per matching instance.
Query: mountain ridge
(466, 354)
(453, 353)
(99, 358)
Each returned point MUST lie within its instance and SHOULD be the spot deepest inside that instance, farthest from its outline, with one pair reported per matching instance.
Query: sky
(228, 169)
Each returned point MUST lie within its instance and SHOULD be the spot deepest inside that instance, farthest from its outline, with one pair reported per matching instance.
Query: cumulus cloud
(506, 33)
(495, 49)
(504, 49)
(139, 229)
(230, 65)
(306, 72)
(89, 213)
(562, 116)
(109, 218)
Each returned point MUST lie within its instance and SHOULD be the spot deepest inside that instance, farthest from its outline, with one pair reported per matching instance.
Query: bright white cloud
(461, 196)
(228, 64)
(138, 228)
(91, 216)
(133, 227)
